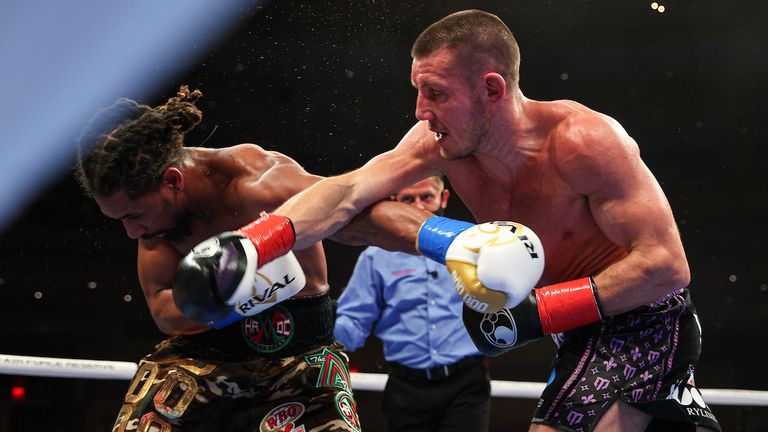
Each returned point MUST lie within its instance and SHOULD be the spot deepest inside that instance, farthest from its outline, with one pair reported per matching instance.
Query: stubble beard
(478, 133)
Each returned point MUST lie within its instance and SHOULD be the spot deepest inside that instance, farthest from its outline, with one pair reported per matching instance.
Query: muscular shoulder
(589, 148)
(268, 177)
(252, 159)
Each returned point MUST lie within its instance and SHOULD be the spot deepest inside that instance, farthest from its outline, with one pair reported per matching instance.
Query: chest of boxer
(574, 244)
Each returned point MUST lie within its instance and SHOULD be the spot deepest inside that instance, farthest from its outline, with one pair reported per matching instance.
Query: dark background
(328, 84)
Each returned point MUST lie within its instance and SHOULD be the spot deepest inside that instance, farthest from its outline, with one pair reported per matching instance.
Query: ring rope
(66, 368)
(118, 370)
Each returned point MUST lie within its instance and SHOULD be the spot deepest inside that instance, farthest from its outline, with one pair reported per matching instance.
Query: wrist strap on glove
(231, 318)
(568, 305)
(273, 236)
(436, 234)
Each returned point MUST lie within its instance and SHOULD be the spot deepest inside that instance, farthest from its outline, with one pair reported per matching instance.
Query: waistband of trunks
(680, 299)
(290, 328)
(636, 319)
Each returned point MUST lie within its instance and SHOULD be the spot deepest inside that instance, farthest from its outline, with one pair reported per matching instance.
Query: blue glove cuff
(233, 317)
(436, 234)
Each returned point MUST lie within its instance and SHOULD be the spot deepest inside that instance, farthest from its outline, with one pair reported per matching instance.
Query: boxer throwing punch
(614, 285)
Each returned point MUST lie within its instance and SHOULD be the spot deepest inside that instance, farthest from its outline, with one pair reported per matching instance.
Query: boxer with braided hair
(142, 141)
(255, 351)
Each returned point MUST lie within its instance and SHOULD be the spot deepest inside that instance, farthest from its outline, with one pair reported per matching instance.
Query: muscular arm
(387, 224)
(324, 208)
(157, 263)
(274, 181)
(631, 210)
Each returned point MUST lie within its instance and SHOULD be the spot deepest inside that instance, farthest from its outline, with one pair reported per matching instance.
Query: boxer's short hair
(482, 40)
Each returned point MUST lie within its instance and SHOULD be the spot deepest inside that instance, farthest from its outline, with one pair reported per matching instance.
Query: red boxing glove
(271, 234)
(568, 305)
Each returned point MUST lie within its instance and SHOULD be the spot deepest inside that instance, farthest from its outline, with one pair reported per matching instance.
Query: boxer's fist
(495, 333)
(548, 310)
(493, 265)
(218, 282)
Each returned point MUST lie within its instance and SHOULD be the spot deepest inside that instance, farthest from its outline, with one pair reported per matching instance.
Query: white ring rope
(66, 368)
(102, 369)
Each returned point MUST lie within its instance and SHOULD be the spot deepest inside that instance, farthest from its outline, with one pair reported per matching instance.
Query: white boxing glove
(274, 282)
(493, 265)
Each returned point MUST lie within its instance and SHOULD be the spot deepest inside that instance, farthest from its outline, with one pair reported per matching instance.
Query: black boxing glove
(547, 310)
(219, 281)
(498, 332)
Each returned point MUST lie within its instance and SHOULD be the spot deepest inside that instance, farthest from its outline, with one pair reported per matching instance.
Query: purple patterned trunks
(644, 357)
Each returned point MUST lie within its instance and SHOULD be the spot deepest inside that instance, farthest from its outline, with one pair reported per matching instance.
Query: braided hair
(128, 146)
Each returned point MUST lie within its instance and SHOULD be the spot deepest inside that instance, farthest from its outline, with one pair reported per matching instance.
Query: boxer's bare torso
(576, 178)
(530, 188)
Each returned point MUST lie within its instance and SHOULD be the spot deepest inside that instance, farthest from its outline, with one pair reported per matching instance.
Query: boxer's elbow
(335, 205)
(683, 275)
(166, 325)
(176, 325)
(669, 271)
(387, 224)
(679, 272)
(171, 321)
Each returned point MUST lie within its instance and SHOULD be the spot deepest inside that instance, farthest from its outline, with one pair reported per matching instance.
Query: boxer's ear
(173, 179)
(495, 86)
(444, 198)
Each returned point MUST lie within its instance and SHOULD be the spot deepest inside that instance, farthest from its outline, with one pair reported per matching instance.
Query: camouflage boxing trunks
(644, 357)
(279, 370)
